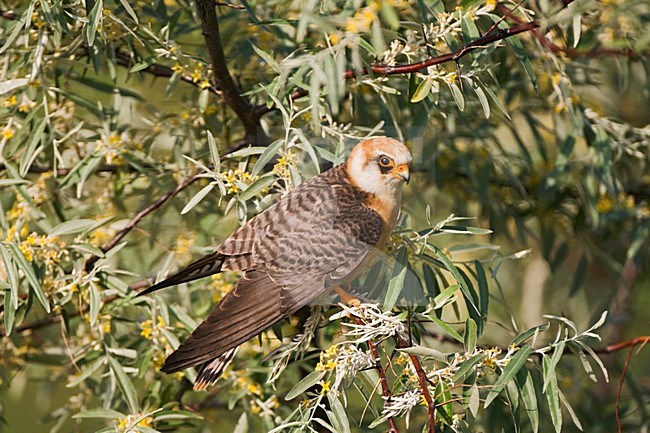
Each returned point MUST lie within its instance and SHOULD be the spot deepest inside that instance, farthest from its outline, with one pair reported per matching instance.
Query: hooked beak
(402, 172)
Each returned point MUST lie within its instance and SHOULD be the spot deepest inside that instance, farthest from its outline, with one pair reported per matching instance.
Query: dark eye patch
(385, 164)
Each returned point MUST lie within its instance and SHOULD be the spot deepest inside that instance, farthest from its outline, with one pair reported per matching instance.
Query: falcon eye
(385, 161)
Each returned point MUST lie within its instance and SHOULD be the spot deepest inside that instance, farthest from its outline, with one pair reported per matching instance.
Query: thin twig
(620, 389)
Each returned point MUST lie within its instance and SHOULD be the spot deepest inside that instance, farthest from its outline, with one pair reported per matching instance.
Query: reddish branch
(385, 390)
(571, 52)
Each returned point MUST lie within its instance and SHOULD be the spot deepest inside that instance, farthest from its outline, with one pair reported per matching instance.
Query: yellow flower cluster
(47, 249)
(607, 203)
(100, 236)
(124, 423)
(259, 407)
(183, 245)
(234, 177)
(199, 74)
(362, 19)
(220, 285)
(244, 382)
(9, 102)
(328, 359)
(113, 148)
(325, 386)
(281, 168)
(12, 101)
(151, 330)
(7, 132)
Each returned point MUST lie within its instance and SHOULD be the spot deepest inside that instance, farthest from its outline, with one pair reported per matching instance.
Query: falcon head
(379, 166)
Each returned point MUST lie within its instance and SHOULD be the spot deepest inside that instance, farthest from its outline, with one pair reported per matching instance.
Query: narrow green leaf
(469, 341)
(576, 24)
(483, 290)
(256, 187)
(444, 402)
(467, 365)
(9, 85)
(124, 383)
(95, 303)
(99, 413)
(197, 198)
(86, 373)
(70, 227)
(266, 156)
(23, 22)
(214, 152)
(557, 354)
(569, 409)
(129, 10)
(422, 91)
(144, 64)
(443, 297)
(12, 274)
(448, 329)
(340, 417)
(426, 352)
(172, 83)
(529, 397)
(268, 58)
(532, 331)
(520, 52)
(552, 395)
(32, 148)
(12, 182)
(485, 104)
(242, 424)
(30, 275)
(9, 311)
(93, 22)
(459, 278)
(167, 415)
(497, 101)
(474, 401)
(307, 382)
(396, 282)
(79, 173)
(509, 371)
(458, 96)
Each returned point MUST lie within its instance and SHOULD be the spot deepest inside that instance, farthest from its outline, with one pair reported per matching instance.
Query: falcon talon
(349, 211)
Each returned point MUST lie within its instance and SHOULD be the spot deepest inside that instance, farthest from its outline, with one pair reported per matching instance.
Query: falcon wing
(311, 242)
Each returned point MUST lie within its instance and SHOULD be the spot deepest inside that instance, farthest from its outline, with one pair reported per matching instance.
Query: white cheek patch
(368, 177)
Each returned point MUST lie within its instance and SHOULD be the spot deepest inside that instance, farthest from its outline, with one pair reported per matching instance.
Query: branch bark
(232, 95)
(385, 390)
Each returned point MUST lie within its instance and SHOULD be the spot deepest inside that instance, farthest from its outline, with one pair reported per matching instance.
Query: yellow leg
(347, 298)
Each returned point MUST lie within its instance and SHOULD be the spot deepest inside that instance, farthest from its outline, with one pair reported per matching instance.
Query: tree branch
(424, 383)
(571, 52)
(231, 93)
(409, 68)
(385, 390)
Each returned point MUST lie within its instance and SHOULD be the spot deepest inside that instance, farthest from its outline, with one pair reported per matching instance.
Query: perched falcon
(316, 238)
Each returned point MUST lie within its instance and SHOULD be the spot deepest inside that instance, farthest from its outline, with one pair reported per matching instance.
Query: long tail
(211, 371)
(207, 265)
